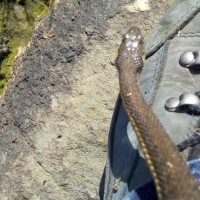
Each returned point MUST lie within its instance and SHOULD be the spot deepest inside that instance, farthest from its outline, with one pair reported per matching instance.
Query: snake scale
(170, 172)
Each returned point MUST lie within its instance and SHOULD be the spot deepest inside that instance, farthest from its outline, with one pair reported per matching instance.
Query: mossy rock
(17, 18)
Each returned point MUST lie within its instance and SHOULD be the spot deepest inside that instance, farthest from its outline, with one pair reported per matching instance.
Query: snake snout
(134, 44)
(133, 39)
(131, 50)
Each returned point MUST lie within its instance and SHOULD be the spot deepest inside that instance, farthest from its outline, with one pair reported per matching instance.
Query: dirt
(56, 112)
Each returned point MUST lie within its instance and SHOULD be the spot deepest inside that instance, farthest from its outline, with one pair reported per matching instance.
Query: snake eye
(127, 36)
(140, 37)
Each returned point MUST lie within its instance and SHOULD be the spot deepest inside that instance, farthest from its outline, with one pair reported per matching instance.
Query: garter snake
(171, 175)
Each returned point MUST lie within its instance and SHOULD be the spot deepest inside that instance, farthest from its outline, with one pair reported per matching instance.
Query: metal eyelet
(190, 59)
(174, 104)
(189, 99)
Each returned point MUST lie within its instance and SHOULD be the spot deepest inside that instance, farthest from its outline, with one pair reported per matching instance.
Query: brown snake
(171, 175)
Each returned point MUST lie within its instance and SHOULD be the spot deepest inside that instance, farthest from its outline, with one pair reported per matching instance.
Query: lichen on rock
(17, 18)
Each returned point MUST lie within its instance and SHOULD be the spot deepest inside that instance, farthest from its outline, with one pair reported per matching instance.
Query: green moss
(6, 71)
(17, 26)
(40, 9)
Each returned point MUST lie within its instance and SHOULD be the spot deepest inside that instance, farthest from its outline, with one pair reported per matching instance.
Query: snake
(171, 175)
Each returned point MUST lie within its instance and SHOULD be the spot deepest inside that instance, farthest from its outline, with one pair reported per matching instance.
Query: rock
(48, 149)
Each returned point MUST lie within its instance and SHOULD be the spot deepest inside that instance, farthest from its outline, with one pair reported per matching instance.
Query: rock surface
(56, 112)
(17, 18)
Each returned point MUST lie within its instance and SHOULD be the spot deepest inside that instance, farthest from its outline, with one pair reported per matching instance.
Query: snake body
(171, 175)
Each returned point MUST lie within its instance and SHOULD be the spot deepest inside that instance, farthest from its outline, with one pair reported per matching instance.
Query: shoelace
(194, 109)
(189, 142)
(194, 139)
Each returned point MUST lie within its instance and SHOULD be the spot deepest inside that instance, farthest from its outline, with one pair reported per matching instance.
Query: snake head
(131, 49)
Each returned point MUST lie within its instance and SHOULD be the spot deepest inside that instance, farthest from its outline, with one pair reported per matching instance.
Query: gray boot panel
(177, 16)
(162, 78)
